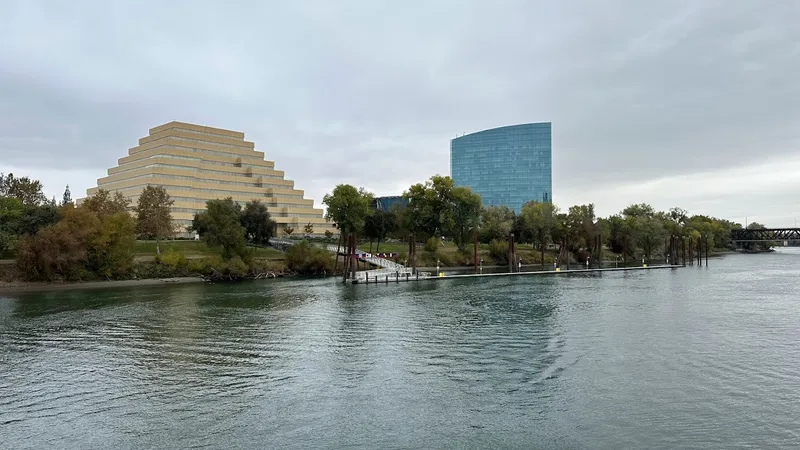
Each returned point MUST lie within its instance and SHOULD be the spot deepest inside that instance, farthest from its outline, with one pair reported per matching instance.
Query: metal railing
(383, 263)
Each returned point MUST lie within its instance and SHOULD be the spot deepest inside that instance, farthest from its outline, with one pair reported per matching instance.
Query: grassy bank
(195, 249)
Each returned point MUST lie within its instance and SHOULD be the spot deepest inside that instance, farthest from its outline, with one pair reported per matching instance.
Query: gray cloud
(371, 92)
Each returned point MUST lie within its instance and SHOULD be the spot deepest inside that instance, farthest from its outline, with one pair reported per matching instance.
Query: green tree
(154, 214)
(28, 191)
(645, 227)
(308, 229)
(36, 217)
(220, 226)
(288, 229)
(430, 207)
(378, 225)
(111, 251)
(539, 218)
(103, 203)
(257, 222)
(539, 221)
(10, 223)
(496, 223)
(348, 208)
(67, 199)
(465, 214)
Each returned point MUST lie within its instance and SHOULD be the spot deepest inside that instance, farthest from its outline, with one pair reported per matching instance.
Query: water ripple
(694, 358)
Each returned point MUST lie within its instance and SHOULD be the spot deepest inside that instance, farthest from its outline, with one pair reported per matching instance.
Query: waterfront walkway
(385, 266)
(406, 276)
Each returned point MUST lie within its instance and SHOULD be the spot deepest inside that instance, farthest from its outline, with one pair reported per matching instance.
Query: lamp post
(437, 267)
(481, 265)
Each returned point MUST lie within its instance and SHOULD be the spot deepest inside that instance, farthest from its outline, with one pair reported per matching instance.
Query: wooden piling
(683, 250)
(475, 250)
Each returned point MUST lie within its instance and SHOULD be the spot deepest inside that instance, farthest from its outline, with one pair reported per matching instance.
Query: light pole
(481, 265)
(437, 267)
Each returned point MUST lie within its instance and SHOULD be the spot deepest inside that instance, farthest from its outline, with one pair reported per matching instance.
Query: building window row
(217, 172)
(240, 147)
(202, 133)
(202, 180)
(207, 152)
(266, 197)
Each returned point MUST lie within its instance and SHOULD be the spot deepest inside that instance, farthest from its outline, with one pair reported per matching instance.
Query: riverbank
(10, 287)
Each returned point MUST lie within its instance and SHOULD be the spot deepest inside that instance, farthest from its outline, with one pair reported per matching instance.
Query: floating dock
(407, 276)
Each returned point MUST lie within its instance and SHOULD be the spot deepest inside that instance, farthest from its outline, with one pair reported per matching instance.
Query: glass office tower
(506, 166)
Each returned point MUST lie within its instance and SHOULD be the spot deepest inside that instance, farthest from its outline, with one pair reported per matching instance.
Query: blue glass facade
(388, 203)
(506, 166)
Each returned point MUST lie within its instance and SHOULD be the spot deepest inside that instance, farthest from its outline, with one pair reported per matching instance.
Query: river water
(688, 358)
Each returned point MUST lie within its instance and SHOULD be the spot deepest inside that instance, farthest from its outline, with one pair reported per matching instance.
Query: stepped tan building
(197, 163)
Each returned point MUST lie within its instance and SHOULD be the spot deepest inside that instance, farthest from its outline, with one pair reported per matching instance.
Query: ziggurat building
(197, 163)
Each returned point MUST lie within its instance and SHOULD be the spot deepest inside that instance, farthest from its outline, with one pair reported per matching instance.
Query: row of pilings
(679, 250)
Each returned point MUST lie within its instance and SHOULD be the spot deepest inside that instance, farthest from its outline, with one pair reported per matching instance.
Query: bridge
(385, 266)
(765, 235)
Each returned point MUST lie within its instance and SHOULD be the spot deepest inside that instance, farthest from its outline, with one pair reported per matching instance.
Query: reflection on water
(618, 360)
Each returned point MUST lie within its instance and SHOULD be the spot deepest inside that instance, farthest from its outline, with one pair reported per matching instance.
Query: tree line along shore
(105, 238)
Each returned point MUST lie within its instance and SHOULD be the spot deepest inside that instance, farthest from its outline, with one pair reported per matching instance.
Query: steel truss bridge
(766, 235)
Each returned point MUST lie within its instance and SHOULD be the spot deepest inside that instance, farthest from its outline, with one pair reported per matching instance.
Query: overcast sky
(681, 103)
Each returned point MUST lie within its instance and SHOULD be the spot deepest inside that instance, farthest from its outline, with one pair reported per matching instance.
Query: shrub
(498, 251)
(432, 246)
(307, 259)
(233, 269)
(262, 266)
(204, 266)
(171, 258)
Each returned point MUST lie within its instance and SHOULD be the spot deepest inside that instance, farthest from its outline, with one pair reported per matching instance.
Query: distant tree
(328, 234)
(28, 191)
(220, 226)
(36, 217)
(646, 227)
(538, 219)
(11, 211)
(257, 222)
(348, 208)
(581, 226)
(309, 229)
(371, 228)
(497, 222)
(465, 214)
(288, 229)
(621, 237)
(67, 200)
(154, 214)
(430, 207)
(111, 255)
(105, 204)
